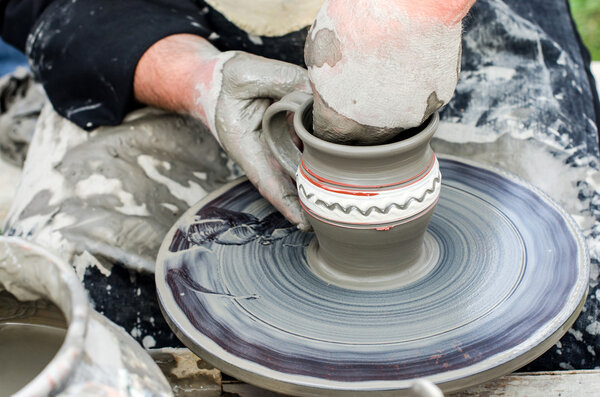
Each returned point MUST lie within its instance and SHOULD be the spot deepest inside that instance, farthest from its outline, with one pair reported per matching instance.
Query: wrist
(207, 87)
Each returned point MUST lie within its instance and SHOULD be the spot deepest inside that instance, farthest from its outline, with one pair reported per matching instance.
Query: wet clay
(369, 206)
(113, 193)
(332, 126)
(25, 350)
(323, 49)
(372, 260)
(378, 69)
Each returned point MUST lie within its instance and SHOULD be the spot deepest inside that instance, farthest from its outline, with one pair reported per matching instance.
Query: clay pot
(45, 305)
(369, 205)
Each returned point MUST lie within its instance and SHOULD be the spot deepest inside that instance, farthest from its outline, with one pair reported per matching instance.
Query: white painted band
(387, 206)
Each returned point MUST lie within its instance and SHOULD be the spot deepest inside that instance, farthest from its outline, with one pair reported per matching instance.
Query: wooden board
(190, 376)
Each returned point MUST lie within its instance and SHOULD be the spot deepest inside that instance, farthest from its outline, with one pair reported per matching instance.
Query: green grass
(587, 18)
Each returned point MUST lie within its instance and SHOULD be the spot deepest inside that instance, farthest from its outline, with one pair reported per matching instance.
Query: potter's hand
(380, 67)
(229, 92)
(245, 85)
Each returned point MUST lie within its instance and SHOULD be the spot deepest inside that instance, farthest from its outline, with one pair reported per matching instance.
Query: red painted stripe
(321, 179)
(341, 191)
(368, 194)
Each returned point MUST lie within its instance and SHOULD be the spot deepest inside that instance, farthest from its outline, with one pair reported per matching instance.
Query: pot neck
(375, 165)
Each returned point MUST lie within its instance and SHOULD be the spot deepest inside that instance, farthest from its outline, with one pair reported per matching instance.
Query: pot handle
(275, 129)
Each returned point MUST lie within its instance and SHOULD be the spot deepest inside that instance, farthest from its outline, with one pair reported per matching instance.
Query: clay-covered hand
(230, 92)
(380, 67)
(232, 103)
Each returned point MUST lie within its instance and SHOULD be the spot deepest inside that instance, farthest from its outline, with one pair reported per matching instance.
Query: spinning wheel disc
(510, 278)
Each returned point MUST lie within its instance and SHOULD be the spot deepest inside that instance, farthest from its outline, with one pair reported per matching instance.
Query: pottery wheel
(510, 278)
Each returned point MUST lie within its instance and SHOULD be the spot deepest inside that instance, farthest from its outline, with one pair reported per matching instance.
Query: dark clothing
(18, 17)
(85, 52)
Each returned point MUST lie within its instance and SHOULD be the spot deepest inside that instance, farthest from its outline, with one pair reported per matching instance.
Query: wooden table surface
(190, 376)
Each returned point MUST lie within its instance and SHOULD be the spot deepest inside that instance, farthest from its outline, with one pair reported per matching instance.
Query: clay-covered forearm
(85, 52)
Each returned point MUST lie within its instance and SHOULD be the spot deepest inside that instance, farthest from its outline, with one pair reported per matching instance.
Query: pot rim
(58, 371)
(367, 151)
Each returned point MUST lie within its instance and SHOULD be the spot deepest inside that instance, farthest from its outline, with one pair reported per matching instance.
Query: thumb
(275, 79)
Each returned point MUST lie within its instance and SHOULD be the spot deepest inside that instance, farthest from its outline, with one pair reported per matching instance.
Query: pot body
(369, 206)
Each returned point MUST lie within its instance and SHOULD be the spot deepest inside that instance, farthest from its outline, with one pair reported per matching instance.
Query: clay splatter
(323, 49)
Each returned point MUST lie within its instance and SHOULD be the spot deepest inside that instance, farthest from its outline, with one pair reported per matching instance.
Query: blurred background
(10, 58)
(587, 18)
